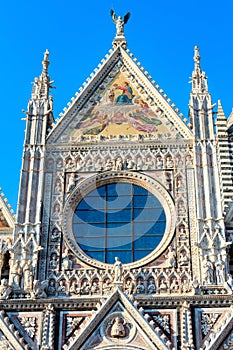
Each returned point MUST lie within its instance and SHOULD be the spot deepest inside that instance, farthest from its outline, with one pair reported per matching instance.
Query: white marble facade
(179, 295)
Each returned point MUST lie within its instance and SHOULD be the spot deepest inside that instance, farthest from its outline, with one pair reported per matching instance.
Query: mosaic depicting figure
(119, 110)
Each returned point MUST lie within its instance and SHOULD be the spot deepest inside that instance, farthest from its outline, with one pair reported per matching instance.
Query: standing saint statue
(117, 270)
(120, 22)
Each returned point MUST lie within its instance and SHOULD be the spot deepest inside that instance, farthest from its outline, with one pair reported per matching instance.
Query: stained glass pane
(119, 219)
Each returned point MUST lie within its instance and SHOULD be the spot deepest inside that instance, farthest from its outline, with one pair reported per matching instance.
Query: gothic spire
(199, 78)
(42, 84)
(45, 63)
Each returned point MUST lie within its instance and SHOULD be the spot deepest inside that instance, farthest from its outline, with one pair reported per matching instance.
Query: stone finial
(42, 84)
(45, 62)
(197, 57)
(199, 78)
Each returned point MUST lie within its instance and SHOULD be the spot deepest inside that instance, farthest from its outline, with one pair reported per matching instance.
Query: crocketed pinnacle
(42, 84)
(199, 78)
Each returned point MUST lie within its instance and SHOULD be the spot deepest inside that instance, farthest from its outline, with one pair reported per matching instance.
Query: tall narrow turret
(201, 108)
(225, 155)
(28, 223)
(208, 191)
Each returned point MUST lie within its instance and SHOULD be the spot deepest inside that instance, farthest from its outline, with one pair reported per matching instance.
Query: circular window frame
(93, 182)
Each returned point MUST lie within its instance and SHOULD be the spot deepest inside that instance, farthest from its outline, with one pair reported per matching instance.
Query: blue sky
(161, 34)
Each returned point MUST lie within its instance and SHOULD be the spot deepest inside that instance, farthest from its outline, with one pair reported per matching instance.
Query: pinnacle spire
(199, 78)
(42, 84)
(220, 109)
(45, 62)
(197, 57)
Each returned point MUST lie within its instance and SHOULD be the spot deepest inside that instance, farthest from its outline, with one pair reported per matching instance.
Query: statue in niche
(69, 164)
(72, 182)
(57, 188)
(67, 263)
(185, 285)
(140, 163)
(55, 234)
(59, 163)
(208, 270)
(129, 287)
(94, 287)
(85, 288)
(169, 162)
(89, 164)
(108, 164)
(174, 287)
(53, 260)
(189, 160)
(140, 287)
(168, 181)
(149, 163)
(171, 257)
(28, 275)
(120, 22)
(98, 164)
(5, 290)
(184, 259)
(61, 288)
(107, 286)
(118, 164)
(220, 270)
(195, 285)
(118, 329)
(129, 163)
(179, 183)
(16, 274)
(56, 211)
(51, 290)
(179, 161)
(163, 286)
(118, 270)
(183, 234)
(181, 208)
(151, 288)
(79, 163)
(159, 162)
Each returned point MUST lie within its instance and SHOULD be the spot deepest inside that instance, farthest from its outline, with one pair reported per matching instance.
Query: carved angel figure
(120, 22)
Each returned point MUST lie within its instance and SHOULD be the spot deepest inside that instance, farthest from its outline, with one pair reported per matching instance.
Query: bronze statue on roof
(120, 22)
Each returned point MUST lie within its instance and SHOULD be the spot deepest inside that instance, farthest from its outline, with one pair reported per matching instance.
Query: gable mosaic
(118, 111)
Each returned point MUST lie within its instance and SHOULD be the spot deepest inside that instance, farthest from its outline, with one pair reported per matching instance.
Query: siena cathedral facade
(122, 238)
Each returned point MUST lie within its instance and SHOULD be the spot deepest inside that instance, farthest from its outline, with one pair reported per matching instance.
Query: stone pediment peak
(137, 74)
(117, 302)
(6, 213)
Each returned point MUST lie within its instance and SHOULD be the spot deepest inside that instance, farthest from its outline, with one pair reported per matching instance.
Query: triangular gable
(131, 324)
(119, 100)
(6, 217)
(216, 326)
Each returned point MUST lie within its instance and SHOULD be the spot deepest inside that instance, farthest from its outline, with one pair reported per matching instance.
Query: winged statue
(120, 22)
